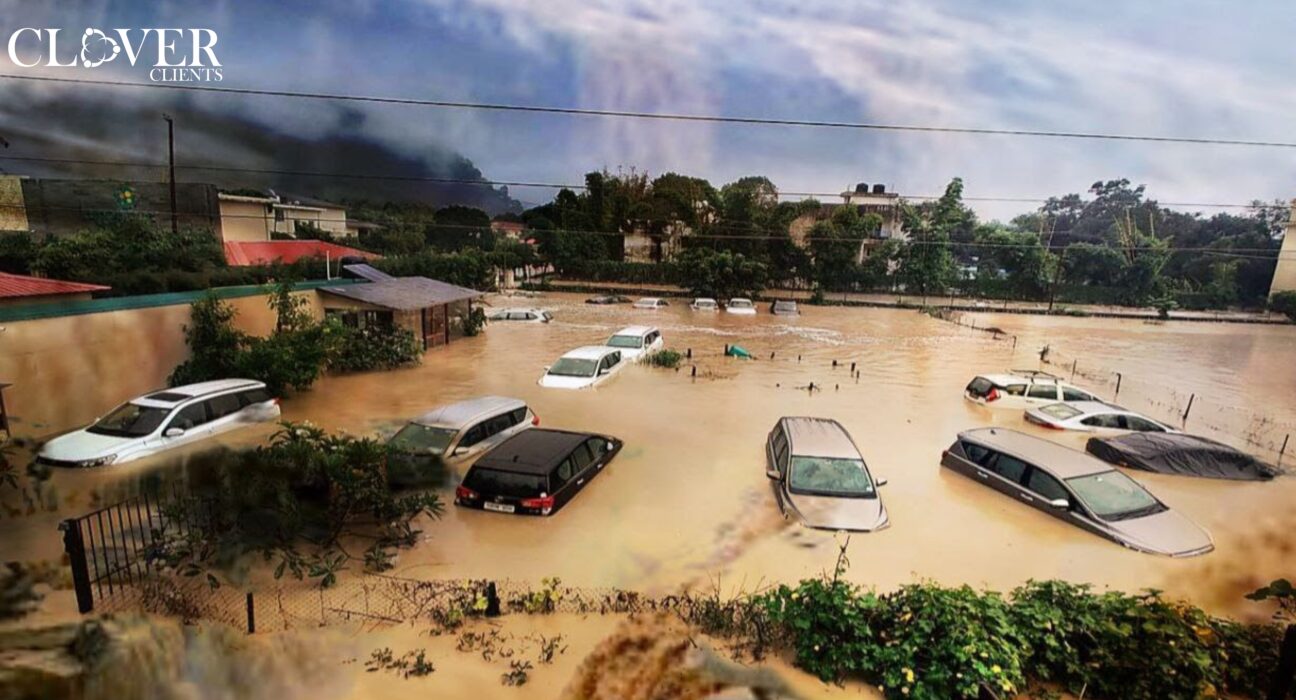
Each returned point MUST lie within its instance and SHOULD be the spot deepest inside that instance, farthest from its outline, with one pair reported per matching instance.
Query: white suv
(635, 342)
(1022, 389)
(161, 421)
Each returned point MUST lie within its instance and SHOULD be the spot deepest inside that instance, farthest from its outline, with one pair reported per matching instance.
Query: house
(513, 230)
(866, 201)
(245, 216)
(21, 289)
(640, 245)
(1284, 279)
(245, 253)
(427, 308)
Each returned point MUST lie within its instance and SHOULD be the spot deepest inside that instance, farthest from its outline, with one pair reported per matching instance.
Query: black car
(608, 299)
(536, 471)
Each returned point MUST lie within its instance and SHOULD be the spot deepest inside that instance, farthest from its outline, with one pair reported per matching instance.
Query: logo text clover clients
(174, 55)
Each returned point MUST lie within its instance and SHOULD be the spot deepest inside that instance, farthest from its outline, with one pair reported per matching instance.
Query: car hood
(80, 445)
(1167, 532)
(554, 381)
(830, 513)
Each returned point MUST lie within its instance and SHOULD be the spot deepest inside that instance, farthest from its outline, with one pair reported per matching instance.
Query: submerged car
(741, 306)
(524, 315)
(819, 476)
(422, 450)
(161, 421)
(1022, 389)
(583, 368)
(1177, 453)
(704, 304)
(608, 299)
(1094, 417)
(536, 472)
(635, 342)
(784, 307)
(1076, 488)
(651, 303)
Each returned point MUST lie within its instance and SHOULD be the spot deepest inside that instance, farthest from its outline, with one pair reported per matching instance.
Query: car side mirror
(173, 432)
(605, 370)
(1060, 503)
(547, 367)
(774, 474)
(459, 451)
(880, 481)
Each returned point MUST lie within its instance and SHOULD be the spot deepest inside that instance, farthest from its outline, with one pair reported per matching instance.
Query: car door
(192, 419)
(1004, 473)
(223, 413)
(1103, 424)
(499, 429)
(1041, 488)
(469, 444)
(1040, 394)
(583, 465)
(1142, 425)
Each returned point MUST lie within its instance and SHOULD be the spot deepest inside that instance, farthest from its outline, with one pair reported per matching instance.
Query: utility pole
(1057, 277)
(175, 228)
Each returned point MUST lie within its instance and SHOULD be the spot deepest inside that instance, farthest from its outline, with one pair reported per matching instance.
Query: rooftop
(635, 330)
(242, 253)
(19, 286)
(175, 395)
(404, 293)
(820, 437)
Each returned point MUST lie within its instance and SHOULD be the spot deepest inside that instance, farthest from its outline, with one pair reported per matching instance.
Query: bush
(362, 350)
(1284, 303)
(474, 322)
(666, 359)
(827, 622)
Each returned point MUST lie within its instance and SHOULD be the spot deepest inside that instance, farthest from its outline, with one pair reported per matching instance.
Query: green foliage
(126, 242)
(665, 358)
(721, 274)
(1281, 592)
(467, 268)
(17, 250)
(214, 344)
(473, 323)
(828, 624)
(1284, 303)
(371, 348)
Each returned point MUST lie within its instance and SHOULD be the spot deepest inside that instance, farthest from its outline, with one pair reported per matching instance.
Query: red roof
(241, 253)
(14, 286)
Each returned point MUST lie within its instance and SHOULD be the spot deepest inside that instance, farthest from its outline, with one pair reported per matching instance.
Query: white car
(524, 315)
(1094, 417)
(652, 303)
(1021, 389)
(704, 304)
(635, 342)
(741, 306)
(583, 368)
(452, 435)
(161, 421)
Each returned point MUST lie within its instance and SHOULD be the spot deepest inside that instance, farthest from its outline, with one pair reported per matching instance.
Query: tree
(835, 248)
(926, 263)
(1018, 256)
(1284, 303)
(458, 227)
(721, 274)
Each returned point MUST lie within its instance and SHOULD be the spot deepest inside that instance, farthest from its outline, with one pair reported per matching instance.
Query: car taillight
(993, 395)
(535, 419)
(464, 493)
(544, 504)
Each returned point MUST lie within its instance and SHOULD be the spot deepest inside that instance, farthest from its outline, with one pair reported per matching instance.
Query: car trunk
(504, 491)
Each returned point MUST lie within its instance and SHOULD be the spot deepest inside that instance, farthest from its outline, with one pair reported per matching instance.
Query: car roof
(649, 298)
(819, 437)
(635, 330)
(462, 413)
(732, 300)
(786, 302)
(534, 451)
(1062, 462)
(1092, 407)
(590, 352)
(519, 309)
(1014, 377)
(704, 299)
(167, 398)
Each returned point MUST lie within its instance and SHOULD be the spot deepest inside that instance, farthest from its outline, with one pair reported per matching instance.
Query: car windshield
(415, 438)
(704, 303)
(1114, 496)
(740, 303)
(785, 305)
(130, 420)
(625, 341)
(823, 476)
(496, 482)
(1060, 411)
(573, 367)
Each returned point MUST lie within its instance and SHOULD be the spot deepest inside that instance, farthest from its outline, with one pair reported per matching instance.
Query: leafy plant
(370, 348)
(1284, 303)
(473, 322)
(666, 359)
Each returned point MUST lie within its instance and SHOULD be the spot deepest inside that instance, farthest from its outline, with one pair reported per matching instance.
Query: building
(270, 215)
(512, 230)
(57, 207)
(1284, 279)
(640, 245)
(21, 289)
(866, 201)
(427, 308)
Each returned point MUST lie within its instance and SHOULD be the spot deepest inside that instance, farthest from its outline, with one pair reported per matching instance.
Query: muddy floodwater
(687, 501)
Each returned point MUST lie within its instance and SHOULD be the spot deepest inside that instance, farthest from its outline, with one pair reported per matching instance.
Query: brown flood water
(687, 501)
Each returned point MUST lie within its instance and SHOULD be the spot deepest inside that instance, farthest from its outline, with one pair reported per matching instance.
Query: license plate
(498, 507)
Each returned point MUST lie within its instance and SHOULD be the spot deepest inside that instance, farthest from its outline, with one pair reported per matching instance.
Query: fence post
(492, 600)
(1118, 382)
(1073, 368)
(74, 546)
(1189, 409)
(251, 614)
(1283, 451)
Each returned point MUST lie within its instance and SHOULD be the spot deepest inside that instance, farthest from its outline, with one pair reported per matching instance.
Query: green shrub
(1284, 303)
(474, 322)
(827, 623)
(363, 350)
(666, 358)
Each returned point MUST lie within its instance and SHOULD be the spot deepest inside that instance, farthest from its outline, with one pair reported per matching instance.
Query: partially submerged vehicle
(523, 315)
(536, 472)
(583, 368)
(1177, 453)
(1093, 417)
(741, 306)
(1076, 488)
(161, 421)
(604, 299)
(651, 303)
(635, 342)
(425, 449)
(784, 307)
(704, 304)
(1021, 389)
(820, 477)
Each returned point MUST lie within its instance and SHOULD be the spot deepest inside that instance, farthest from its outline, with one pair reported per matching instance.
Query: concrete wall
(1284, 278)
(13, 214)
(245, 221)
(70, 369)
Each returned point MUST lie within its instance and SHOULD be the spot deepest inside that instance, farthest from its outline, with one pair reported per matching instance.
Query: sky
(1188, 68)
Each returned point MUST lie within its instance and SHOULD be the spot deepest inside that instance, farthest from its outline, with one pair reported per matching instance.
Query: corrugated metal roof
(15, 286)
(405, 293)
(241, 253)
(368, 272)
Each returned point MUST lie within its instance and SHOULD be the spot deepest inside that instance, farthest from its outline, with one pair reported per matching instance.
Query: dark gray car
(819, 476)
(1077, 488)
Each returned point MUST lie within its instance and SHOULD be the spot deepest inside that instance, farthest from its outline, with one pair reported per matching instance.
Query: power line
(662, 116)
(521, 183)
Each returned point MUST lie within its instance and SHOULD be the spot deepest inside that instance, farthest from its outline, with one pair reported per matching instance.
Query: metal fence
(108, 549)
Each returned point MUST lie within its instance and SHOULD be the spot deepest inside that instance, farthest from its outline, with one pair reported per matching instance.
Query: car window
(1102, 420)
(1015, 389)
(1142, 424)
(518, 416)
(1045, 485)
(1042, 391)
(976, 453)
(221, 406)
(563, 474)
(597, 447)
(251, 396)
(475, 434)
(189, 417)
(1009, 468)
(780, 450)
(581, 457)
(1070, 393)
